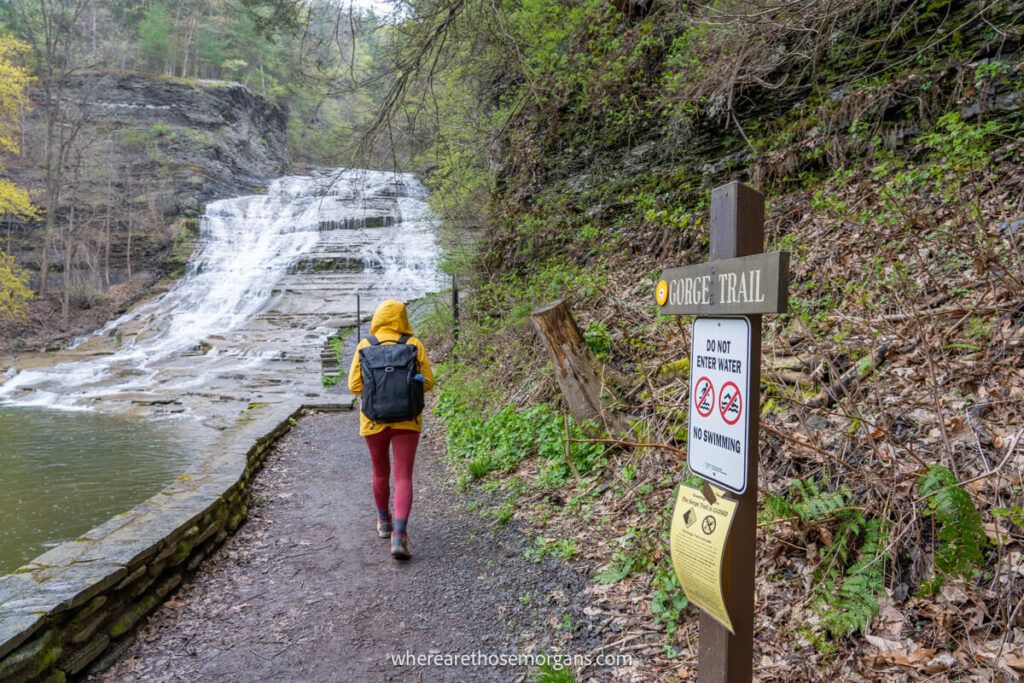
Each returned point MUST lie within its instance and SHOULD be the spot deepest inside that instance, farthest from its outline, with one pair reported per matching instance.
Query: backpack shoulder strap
(377, 342)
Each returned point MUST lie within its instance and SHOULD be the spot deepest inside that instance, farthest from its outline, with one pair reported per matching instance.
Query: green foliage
(502, 515)
(950, 163)
(845, 589)
(589, 179)
(990, 71)
(855, 604)
(562, 548)
(668, 600)
(957, 524)
(978, 329)
(642, 553)
(961, 151)
(185, 234)
(808, 501)
(153, 140)
(1014, 514)
(270, 17)
(319, 58)
(498, 442)
(156, 33)
(635, 555)
(599, 339)
(436, 318)
(620, 568)
(552, 672)
(517, 296)
(337, 345)
(460, 180)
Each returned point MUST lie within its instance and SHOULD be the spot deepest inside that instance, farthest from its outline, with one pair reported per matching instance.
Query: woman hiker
(391, 385)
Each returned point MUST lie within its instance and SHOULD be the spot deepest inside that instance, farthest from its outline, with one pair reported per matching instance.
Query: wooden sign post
(739, 280)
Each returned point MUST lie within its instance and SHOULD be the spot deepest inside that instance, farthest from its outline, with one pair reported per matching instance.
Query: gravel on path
(306, 591)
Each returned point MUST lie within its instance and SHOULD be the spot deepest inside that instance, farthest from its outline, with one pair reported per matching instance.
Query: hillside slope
(888, 140)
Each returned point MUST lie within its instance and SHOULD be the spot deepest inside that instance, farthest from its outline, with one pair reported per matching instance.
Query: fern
(836, 555)
(854, 606)
(961, 537)
(808, 501)
(775, 507)
(814, 504)
(845, 595)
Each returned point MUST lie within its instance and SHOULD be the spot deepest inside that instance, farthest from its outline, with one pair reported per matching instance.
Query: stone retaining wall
(76, 606)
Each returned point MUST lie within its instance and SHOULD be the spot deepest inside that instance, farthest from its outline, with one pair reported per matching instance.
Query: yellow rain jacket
(390, 322)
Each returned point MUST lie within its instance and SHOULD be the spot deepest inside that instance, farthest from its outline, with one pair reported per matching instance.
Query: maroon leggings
(405, 442)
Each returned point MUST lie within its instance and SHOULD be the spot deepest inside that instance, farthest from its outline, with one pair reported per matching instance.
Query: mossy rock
(34, 656)
(182, 552)
(87, 611)
(127, 620)
(48, 657)
(164, 589)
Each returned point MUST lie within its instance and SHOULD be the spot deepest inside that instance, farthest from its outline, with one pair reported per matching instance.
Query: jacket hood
(391, 316)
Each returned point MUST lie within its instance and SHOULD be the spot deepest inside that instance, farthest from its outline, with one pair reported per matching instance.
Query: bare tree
(51, 27)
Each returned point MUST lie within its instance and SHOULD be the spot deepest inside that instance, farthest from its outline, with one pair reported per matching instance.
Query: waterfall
(274, 275)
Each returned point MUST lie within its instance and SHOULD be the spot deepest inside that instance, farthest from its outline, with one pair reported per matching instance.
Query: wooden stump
(574, 365)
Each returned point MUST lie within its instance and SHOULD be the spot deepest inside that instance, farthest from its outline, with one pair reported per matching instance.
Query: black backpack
(390, 394)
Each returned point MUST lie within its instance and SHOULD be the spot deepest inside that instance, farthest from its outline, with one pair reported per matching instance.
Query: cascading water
(274, 276)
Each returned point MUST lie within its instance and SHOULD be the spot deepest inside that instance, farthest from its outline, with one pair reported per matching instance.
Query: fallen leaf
(884, 644)
(953, 594)
(890, 619)
(943, 661)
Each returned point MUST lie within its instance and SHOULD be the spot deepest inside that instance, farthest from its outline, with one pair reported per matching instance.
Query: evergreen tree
(155, 37)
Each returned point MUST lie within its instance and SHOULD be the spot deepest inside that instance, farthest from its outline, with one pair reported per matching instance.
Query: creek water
(64, 472)
(273, 277)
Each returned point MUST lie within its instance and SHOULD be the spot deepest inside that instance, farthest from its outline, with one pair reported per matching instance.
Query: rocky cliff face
(204, 139)
(145, 154)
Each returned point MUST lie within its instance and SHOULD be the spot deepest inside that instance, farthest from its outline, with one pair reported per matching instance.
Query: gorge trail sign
(738, 286)
(728, 294)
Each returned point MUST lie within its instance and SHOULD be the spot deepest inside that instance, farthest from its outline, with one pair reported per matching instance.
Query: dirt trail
(305, 591)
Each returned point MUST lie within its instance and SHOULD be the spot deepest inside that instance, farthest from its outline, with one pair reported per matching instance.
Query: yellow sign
(661, 293)
(699, 531)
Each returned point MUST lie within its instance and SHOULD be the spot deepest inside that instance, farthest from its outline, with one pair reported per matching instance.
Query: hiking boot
(383, 529)
(400, 547)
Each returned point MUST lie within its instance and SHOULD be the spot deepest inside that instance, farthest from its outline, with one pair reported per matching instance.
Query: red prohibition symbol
(731, 403)
(704, 396)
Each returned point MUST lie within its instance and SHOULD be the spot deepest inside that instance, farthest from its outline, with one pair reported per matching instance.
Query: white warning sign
(719, 414)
